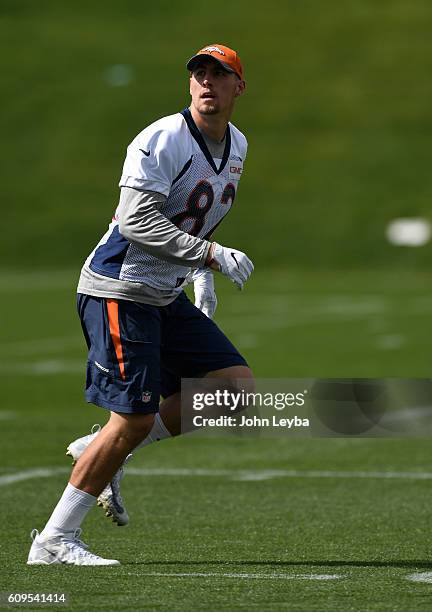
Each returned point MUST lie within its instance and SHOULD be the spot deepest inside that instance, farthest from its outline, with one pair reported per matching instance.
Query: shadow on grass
(409, 563)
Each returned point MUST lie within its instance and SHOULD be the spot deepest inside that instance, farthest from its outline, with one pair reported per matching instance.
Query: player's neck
(213, 126)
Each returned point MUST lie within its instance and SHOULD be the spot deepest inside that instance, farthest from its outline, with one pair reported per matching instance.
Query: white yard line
(245, 475)
(30, 474)
(420, 577)
(242, 575)
(237, 475)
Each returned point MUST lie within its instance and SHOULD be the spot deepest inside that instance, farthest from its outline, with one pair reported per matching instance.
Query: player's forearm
(141, 223)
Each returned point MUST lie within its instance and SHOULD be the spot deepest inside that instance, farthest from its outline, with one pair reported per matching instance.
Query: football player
(179, 181)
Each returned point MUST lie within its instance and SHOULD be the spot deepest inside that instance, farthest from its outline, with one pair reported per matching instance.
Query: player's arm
(143, 225)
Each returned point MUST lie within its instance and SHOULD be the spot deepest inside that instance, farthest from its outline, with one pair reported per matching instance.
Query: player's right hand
(205, 295)
(234, 264)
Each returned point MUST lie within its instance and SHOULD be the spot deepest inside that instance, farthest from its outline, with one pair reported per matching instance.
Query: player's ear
(241, 86)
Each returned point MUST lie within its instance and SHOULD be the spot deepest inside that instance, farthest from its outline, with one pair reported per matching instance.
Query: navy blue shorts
(139, 352)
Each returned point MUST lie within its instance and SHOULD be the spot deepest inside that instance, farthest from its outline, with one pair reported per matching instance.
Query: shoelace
(78, 547)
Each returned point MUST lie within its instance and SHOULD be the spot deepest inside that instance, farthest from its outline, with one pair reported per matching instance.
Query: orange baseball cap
(224, 55)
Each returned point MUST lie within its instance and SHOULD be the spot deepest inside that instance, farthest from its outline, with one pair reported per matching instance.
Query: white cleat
(66, 549)
(110, 499)
(77, 447)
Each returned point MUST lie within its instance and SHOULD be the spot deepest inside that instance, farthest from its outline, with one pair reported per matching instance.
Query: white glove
(205, 296)
(234, 264)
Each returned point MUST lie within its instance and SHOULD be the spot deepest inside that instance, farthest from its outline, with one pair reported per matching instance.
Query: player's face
(214, 90)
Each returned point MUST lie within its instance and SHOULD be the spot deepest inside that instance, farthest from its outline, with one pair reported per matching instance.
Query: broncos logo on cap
(211, 49)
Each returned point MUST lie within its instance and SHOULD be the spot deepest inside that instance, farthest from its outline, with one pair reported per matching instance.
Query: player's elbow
(126, 228)
(123, 229)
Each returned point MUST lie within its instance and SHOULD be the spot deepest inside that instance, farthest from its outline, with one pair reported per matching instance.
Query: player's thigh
(194, 346)
(123, 367)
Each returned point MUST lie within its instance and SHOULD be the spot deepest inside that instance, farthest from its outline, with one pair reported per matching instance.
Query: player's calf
(110, 498)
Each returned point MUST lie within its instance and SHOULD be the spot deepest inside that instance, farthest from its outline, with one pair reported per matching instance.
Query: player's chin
(209, 109)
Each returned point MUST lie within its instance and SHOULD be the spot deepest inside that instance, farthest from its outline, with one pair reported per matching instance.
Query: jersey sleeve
(153, 160)
(141, 223)
(241, 144)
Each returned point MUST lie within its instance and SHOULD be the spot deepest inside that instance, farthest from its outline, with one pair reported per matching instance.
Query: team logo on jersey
(146, 397)
(211, 49)
(235, 170)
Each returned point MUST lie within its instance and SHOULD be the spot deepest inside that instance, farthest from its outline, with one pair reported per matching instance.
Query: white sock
(157, 432)
(69, 512)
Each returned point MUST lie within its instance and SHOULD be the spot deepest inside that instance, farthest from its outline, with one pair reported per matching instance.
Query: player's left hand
(205, 296)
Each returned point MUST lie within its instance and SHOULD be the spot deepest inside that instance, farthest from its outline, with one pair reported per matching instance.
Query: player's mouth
(208, 96)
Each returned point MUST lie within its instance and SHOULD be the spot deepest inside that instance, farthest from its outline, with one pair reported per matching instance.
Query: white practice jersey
(171, 157)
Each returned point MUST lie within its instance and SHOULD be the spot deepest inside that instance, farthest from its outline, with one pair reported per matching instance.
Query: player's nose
(207, 80)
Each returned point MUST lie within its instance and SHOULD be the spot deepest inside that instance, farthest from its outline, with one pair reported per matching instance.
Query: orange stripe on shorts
(114, 326)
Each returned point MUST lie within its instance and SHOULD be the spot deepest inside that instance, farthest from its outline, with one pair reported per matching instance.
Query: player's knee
(240, 379)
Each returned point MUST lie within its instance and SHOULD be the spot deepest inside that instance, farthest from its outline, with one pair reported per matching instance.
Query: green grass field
(213, 527)
(337, 113)
(338, 117)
